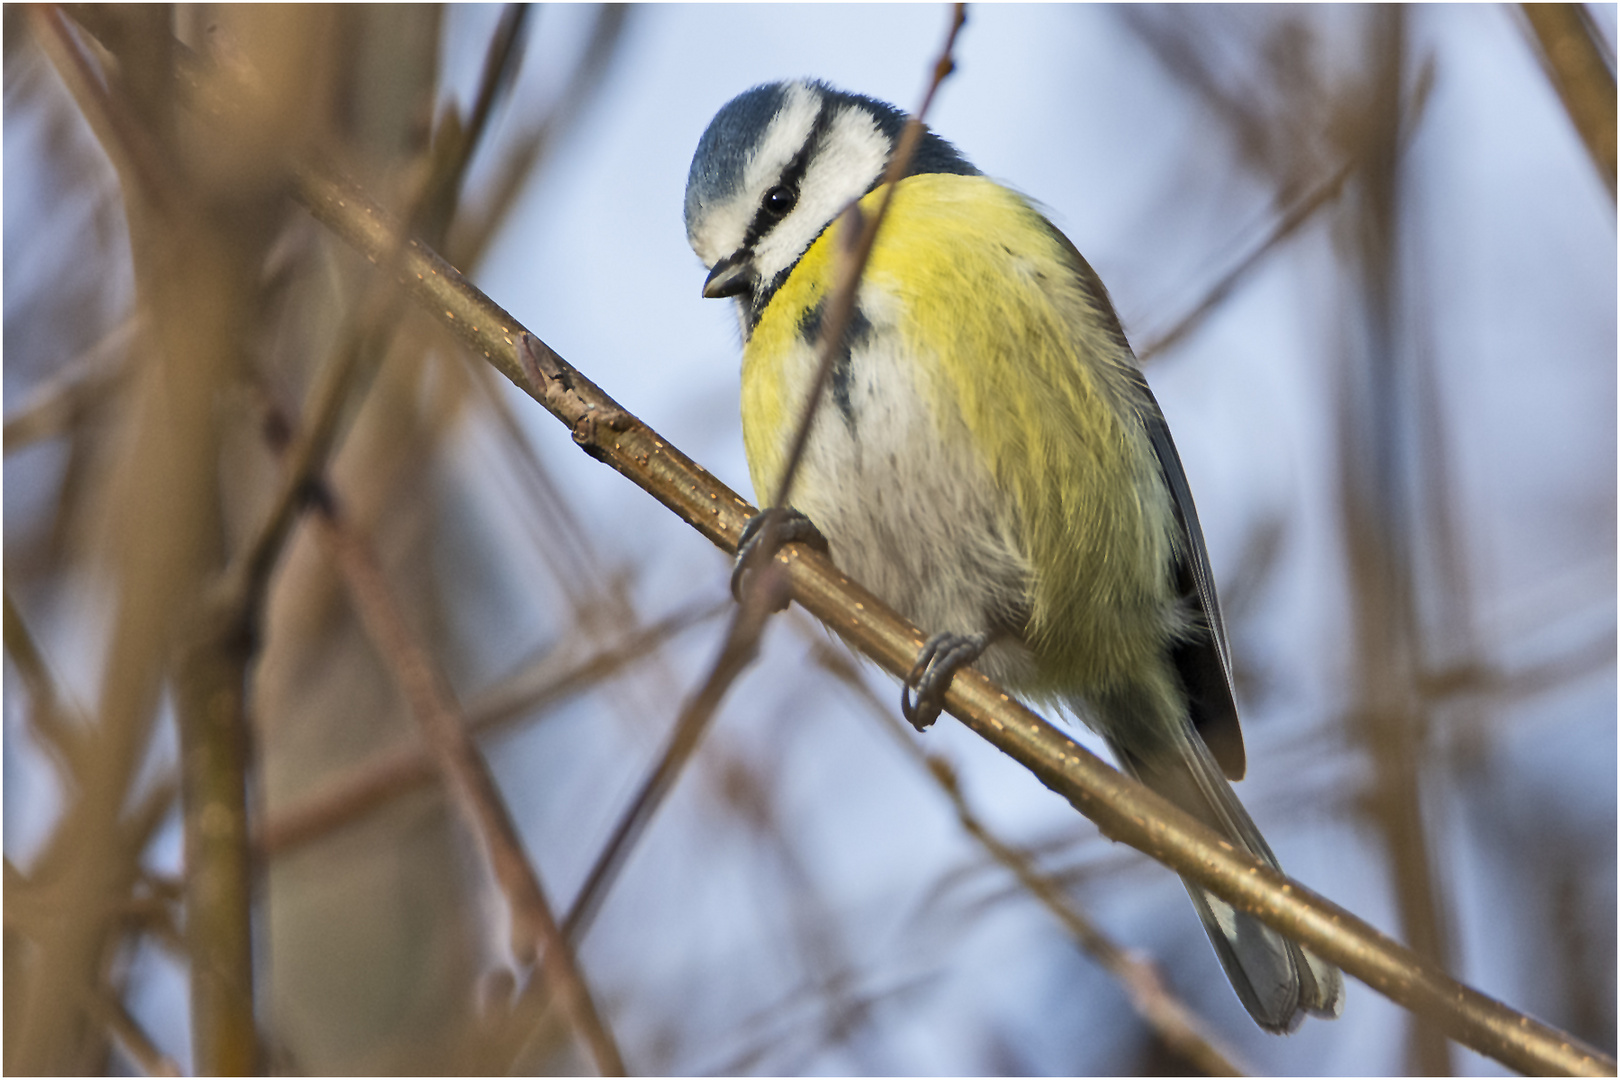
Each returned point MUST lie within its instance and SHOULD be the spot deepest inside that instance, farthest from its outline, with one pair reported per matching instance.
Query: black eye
(779, 200)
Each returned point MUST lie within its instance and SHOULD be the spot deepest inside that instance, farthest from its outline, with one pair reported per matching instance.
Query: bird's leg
(922, 695)
(786, 526)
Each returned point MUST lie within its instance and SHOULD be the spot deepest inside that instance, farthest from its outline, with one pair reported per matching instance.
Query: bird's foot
(922, 695)
(775, 527)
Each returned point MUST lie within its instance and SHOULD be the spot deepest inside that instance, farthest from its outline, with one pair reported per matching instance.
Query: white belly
(908, 506)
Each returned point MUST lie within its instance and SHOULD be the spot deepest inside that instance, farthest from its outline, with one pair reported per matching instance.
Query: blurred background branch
(1184, 1035)
(1123, 809)
(1395, 400)
(1581, 68)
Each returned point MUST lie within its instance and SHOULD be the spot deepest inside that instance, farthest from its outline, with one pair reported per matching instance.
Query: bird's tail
(1277, 980)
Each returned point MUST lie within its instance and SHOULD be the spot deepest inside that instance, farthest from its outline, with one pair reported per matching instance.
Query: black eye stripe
(793, 173)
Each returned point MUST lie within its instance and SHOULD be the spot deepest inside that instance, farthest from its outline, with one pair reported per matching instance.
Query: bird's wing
(1204, 660)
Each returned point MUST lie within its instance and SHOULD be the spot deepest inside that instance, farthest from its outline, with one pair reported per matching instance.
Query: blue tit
(988, 459)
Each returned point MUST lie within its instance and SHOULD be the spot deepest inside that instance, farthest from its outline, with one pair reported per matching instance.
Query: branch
(48, 710)
(467, 777)
(1285, 226)
(1122, 808)
(1582, 77)
(860, 234)
(522, 153)
(455, 140)
(741, 646)
(1181, 1029)
(195, 283)
(1295, 216)
(392, 773)
(82, 383)
(765, 592)
(132, 1037)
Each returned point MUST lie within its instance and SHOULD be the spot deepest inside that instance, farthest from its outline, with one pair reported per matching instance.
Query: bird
(987, 458)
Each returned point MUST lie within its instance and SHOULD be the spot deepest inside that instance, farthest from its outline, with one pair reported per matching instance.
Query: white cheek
(852, 156)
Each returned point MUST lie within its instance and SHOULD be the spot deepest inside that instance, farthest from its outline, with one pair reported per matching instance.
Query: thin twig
(474, 231)
(742, 636)
(1582, 76)
(455, 142)
(776, 1024)
(856, 252)
(537, 687)
(47, 704)
(596, 603)
(392, 773)
(1125, 810)
(738, 651)
(468, 779)
(1178, 1026)
(140, 1047)
(1302, 209)
(83, 381)
(1503, 685)
(1285, 226)
(1382, 474)
(121, 136)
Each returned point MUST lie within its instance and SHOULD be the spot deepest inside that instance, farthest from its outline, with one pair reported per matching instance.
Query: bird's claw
(791, 527)
(922, 695)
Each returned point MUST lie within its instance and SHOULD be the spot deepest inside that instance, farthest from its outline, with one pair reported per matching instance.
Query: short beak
(731, 276)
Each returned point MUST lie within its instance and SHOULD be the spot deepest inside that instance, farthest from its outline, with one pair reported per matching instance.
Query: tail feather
(1277, 980)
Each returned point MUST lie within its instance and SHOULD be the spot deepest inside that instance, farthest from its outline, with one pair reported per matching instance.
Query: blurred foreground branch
(762, 593)
(1123, 809)
(1582, 77)
(196, 241)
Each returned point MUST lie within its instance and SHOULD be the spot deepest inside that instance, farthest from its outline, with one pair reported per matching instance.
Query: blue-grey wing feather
(1204, 660)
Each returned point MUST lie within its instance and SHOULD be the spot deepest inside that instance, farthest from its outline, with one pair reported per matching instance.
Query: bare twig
(389, 774)
(468, 779)
(1514, 684)
(83, 381)
(121, 135)
(769, 1028)
(341, 378)
(538, 686)
(193, 286)
(46, 702)
(1122, 808)
(133, 1038)
(1285, 226)
(856, 251)
(742, 636)
(471, 237)
(741, 645)
(596, 602)
(1298, 213)
(1582, 76)
(1378, 428)
(1179, 1027)
(455, 141)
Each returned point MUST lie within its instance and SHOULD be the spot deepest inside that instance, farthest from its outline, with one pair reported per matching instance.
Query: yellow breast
(989, 305)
